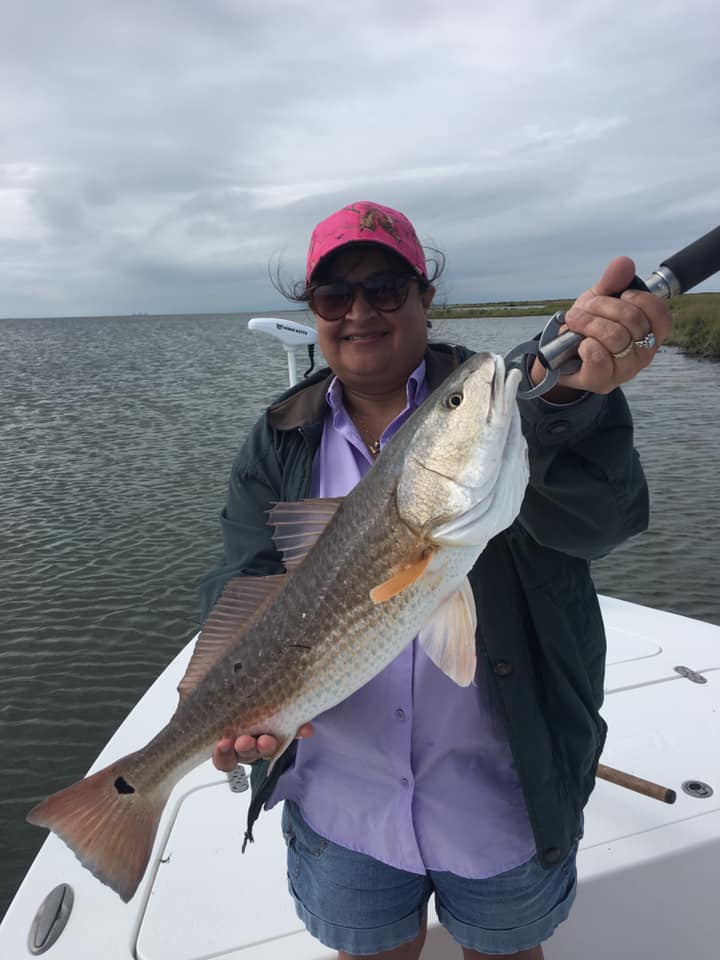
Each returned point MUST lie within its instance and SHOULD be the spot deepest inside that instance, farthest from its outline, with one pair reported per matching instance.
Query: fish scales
(398, 546)
(287, 658)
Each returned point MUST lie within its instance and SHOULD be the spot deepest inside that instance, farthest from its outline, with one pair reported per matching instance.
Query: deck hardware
(697, 789)
(690, 674)
(238, 780)
(50, 919)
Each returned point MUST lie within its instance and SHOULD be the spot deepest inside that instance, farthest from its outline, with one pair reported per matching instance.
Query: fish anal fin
(108, 822)
(298, 525)
(240, 605)
(401, 580)
(448, 637)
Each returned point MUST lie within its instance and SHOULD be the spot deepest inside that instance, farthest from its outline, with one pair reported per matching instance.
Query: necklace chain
(361, 425)
(364, 426)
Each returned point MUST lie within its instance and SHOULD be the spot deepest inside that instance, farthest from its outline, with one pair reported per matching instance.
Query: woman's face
(369, 351)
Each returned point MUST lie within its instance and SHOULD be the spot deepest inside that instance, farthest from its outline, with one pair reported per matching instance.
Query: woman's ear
(426, 297)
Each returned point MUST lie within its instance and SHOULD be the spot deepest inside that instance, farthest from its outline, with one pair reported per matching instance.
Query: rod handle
(696, 262)
(557, 352)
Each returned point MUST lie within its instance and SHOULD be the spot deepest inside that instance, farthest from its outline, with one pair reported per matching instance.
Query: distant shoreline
(502, 308)
(696, 318)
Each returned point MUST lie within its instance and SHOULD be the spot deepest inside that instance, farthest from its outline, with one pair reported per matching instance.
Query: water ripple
(117, 436)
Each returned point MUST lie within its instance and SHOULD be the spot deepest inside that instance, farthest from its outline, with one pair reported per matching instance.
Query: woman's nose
(359, 306)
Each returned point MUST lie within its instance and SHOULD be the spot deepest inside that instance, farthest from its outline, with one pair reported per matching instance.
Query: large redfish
(363, 577)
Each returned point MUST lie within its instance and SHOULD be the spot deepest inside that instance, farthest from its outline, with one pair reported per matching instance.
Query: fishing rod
(558, 352)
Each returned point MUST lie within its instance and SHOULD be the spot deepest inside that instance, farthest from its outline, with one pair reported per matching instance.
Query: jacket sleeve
(587, 491)
(247, 542)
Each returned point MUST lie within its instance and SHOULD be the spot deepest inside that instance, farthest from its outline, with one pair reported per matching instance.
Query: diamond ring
(647, 343)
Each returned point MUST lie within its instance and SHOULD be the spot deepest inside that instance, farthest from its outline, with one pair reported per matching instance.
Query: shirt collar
(413, 388)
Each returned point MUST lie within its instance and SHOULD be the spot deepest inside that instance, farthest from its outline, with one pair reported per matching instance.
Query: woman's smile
(369, 337)
(366, 348)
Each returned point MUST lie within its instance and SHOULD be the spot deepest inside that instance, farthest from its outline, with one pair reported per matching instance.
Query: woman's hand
(228, 754)
(612, 328)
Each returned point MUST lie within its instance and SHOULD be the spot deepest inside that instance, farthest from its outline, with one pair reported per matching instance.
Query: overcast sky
(155, 155)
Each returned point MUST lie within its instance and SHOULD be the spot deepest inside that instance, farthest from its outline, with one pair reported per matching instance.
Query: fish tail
(109, 821)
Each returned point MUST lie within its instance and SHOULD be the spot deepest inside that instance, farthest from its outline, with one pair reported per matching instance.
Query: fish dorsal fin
(298, 525)
(239, 606)
(401, 580)
(448, 637)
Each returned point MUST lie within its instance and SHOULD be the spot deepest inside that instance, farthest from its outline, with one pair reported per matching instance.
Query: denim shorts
(352, 902)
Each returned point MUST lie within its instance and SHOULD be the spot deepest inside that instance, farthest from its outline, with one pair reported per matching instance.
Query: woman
(414, 785)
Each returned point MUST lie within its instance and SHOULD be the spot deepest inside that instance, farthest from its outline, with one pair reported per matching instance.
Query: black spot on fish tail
(122, 786)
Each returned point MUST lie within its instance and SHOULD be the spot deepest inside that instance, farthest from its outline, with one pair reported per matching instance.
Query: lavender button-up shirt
(411, 769)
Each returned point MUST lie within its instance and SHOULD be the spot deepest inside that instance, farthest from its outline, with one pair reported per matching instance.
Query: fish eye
(454, 400)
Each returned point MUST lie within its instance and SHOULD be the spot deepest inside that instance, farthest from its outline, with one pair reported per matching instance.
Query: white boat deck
(649, 872)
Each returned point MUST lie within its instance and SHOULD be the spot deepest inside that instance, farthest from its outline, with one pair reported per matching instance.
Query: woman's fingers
(621, 333)
(247, 749)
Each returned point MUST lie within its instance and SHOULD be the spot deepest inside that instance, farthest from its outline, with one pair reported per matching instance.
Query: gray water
(116, 440)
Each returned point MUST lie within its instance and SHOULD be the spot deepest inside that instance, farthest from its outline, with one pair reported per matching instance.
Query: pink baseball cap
(366, 222)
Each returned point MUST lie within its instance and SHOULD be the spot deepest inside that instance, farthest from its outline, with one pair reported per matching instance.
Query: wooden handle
(645, 787)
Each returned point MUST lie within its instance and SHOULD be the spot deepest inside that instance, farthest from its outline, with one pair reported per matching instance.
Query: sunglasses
(386, 292)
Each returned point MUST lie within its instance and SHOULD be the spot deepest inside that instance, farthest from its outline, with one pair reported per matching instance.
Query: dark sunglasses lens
(386, 291)
(332, 300)
(383, 291)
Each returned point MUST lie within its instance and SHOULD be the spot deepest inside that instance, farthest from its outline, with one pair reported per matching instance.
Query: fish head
(466, 467)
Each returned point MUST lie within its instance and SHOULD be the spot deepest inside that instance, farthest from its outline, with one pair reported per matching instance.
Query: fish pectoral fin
(401, 580)
(298, 525)
(448, 638)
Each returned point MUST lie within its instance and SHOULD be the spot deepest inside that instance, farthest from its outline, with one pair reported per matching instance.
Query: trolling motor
(558, 351)
(291, 335)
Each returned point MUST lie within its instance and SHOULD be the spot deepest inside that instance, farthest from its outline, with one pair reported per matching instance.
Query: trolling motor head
(291, 335)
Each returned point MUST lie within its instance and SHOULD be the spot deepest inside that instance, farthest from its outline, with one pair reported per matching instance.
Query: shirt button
(503, 668)
(558, 426)
(405, 782)
(399, 714)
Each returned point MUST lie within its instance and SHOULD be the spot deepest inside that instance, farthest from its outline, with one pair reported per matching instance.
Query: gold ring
(623, 353)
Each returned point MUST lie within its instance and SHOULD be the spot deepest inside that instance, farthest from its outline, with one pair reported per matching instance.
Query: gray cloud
(155, 157)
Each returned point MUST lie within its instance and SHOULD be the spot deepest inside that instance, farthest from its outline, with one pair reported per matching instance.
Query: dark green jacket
(539, 623)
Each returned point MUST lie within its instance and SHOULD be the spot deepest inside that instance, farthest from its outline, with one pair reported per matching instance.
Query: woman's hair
(299, 291)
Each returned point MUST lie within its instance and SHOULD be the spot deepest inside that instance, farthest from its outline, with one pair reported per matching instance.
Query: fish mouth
(504, 386)
(503, 390)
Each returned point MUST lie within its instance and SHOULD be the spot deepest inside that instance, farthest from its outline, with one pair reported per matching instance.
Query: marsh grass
(501, 308)
(696, 324)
